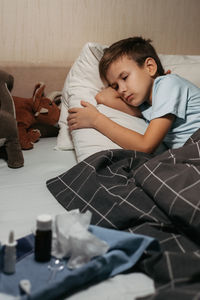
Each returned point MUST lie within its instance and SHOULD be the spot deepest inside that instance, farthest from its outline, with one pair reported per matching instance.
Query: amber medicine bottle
(43, 238)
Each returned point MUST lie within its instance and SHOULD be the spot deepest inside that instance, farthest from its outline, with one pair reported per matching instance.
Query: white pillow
(89, 141)
(83, 82)
(64, 138)
(187, 66)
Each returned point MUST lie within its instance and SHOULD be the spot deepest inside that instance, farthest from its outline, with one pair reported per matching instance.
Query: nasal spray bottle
(10, 254)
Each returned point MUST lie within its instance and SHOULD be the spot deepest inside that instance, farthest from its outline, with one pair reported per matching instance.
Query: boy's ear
(151, 66)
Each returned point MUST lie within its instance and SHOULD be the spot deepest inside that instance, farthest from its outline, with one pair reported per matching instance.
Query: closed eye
(124, 77)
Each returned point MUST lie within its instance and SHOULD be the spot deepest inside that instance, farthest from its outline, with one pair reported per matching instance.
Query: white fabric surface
(24, 195)
(186, 66)
(23, 191)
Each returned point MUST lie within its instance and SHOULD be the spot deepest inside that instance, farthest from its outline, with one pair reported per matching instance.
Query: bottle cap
(44, 222)
(11, 240)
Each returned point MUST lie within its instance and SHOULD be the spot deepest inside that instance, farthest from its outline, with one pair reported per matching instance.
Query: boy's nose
(122, 89)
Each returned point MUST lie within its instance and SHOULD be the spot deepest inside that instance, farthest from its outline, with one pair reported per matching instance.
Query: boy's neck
(149, 101)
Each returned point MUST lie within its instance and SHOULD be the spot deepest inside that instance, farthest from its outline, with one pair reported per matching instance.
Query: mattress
(24, 195)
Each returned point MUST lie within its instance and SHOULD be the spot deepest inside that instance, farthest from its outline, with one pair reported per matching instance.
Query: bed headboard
(28, 75)
(49, 31)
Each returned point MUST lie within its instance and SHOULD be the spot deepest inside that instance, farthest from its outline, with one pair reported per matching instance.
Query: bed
(54, 163)
(24, 194)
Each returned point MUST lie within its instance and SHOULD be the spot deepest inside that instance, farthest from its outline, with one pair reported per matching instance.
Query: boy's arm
(132, 140)
(89, 117)
(111, 98)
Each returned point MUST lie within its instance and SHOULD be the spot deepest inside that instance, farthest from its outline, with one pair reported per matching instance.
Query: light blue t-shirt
(175, 95)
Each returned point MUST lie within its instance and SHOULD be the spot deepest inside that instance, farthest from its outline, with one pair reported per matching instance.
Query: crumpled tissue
(72, 239)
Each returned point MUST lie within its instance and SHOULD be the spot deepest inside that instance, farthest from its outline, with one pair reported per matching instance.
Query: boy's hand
(82, 117)
(107, 97)
(111, 98)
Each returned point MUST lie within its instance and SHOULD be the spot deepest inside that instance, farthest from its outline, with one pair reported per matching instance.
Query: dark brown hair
(135, 48)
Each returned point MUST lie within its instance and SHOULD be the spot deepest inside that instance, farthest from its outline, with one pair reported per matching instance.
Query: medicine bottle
(43, 238)
(10, 254)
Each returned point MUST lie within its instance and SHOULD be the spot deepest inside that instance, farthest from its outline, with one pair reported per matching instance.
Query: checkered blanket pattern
(157, 196)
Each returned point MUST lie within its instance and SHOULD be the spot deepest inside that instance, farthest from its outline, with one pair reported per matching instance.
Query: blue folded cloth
(125, 249)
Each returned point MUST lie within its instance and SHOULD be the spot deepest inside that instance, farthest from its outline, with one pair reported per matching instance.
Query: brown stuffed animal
(38, 109)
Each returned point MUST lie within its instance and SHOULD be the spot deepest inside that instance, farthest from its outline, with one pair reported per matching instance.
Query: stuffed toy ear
(6, 85)
(38, 90)
(37, 95)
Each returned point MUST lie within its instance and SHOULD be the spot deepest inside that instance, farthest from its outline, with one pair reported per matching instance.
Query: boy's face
(132, 82)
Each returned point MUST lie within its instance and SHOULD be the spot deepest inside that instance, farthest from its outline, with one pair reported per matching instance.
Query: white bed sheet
(23, 192)
(23, 195)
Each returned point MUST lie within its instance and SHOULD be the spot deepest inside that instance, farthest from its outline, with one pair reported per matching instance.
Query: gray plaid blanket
(158, 196)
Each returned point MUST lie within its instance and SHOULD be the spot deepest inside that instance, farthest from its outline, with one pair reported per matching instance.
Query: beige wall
(55, 30)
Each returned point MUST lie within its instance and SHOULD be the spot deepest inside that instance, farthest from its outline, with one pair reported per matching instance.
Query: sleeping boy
(139, 86)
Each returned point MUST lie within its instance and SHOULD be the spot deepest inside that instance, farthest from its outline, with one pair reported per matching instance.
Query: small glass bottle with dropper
(10, 254)
(43, 238)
